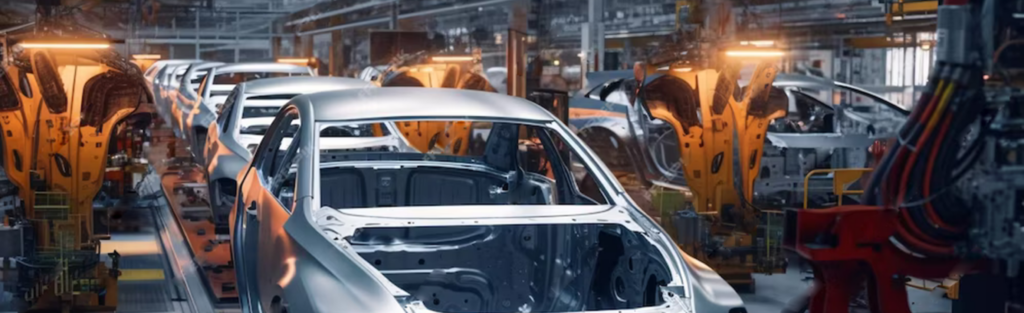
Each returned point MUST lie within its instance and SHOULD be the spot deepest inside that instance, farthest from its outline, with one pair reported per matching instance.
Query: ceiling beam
(344, 10)
(404, 16)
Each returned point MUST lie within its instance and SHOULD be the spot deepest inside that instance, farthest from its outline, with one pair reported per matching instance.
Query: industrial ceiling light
(293, 60)
(64, 44)
(682, 69)
(758, 43)
(926, 45)
(146, 56)
(451, 58)
(754, 53)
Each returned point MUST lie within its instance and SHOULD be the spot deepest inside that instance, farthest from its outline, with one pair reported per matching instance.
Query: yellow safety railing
(49, 205)
(840, 178)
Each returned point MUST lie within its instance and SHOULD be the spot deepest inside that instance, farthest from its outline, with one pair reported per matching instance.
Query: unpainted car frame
(612, 127)
(227, 150)
(159, 77)
(301, 259)
(188, 95)
(195, 119)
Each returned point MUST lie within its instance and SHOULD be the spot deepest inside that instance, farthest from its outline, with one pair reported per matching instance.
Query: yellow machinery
(444, 72)
(713, 128)
(61, 107)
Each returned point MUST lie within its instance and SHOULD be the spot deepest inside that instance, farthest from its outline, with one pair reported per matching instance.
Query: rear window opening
(518, 268)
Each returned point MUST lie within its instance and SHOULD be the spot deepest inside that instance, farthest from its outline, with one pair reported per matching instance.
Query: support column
(393, 24)
(198, 56)
(595, 13)
(515, 54)
(275, 47)
(336, 61)
(307, 47)
(174, 30)
(237, 38)
(275, 40)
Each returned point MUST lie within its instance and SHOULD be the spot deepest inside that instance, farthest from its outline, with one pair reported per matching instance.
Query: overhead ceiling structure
(252, 24)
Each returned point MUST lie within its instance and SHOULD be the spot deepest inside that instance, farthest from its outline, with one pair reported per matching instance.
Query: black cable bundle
(917, 174)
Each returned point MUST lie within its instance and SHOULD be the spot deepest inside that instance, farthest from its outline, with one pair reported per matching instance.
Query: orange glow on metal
(289, 272)
(452, 58)
(146, 56)
(754, 53)
(297, 60)
(65, 44)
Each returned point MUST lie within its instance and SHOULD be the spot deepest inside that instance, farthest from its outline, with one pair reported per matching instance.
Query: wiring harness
(937, 146)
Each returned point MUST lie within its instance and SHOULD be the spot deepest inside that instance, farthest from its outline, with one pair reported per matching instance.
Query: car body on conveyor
(188, 93)
(219, 81)
(159, 78)
(246, 114)
(601, 114)
(485, 231)
(154, 71)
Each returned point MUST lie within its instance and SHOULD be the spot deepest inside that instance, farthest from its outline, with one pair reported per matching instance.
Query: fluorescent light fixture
(754, 53)
(146, 56)
(758, 43)
(53, 44)
(682, 69)
(293, 60)
(452, 58)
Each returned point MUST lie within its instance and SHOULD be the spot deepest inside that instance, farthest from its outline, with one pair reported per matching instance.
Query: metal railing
(51, 205)
(841, 177)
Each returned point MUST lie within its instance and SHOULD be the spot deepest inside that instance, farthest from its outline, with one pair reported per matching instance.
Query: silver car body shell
(206, 112)
(160, 85)
(654, 170)
(188, 96)
(329, 275)
(226, 151)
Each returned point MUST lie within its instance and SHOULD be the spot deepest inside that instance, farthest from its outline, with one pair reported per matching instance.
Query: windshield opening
(457, 163)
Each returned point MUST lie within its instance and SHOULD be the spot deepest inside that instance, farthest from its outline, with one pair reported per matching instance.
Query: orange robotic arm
(753, 115)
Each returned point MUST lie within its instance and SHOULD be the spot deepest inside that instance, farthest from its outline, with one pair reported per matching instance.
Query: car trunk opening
(518, 268)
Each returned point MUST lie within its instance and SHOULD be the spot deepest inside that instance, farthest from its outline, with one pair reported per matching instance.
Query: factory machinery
(692, 86)
(947, 196)
(64, 100)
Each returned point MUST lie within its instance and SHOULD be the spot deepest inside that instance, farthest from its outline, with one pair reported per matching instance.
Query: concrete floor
(774, 291)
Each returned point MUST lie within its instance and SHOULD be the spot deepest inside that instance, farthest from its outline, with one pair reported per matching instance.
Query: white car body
(214, 92)
(227, 146)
